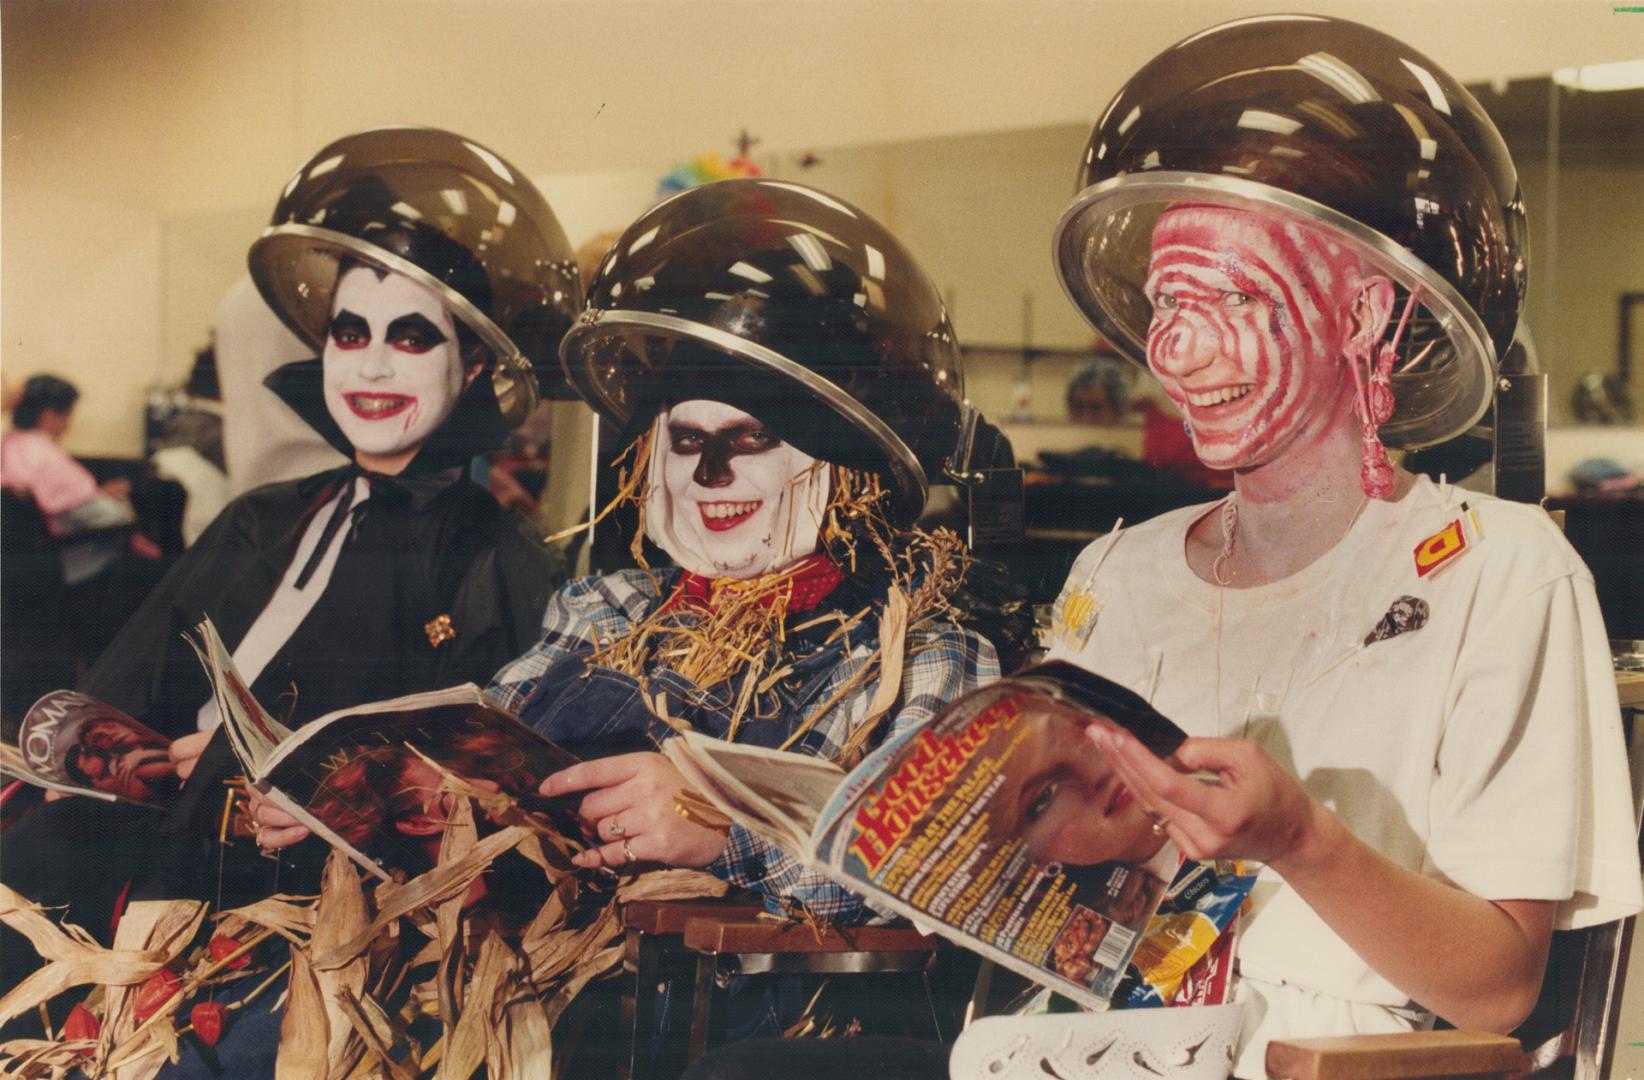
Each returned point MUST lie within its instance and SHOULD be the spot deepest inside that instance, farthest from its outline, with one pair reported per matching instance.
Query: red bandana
(809, 582)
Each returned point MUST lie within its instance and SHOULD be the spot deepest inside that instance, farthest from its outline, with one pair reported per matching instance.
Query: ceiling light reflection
(1339, 76)
(750, 271)
(1262, 120)
(1435, 93)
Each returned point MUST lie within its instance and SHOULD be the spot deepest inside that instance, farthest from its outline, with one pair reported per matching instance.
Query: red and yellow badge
(1440, 548)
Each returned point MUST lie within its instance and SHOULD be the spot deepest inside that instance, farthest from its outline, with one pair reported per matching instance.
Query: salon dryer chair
(678, 954)
(1571, 1033)
(45, 640)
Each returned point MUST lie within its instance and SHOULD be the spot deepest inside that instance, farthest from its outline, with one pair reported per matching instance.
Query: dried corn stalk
(130, 1048)
(73, 958)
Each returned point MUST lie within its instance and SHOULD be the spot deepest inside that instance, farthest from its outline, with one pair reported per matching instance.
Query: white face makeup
(392, 366)
(728, 498)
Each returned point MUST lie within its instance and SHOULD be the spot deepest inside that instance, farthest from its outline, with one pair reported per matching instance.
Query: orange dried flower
(222, 945)
(82, 1023)
(207, 1018)
(154, 993)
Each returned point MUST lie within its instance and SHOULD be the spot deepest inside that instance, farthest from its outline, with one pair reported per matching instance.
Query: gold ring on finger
(617, 831)
(627, 853)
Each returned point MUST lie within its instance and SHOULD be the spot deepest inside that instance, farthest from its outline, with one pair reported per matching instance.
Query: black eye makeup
(754, 440)
(736, 438)
(685, 440)
(415, 333)
(349, 330)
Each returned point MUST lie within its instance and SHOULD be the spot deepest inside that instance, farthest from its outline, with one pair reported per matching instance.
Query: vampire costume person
(435, 282)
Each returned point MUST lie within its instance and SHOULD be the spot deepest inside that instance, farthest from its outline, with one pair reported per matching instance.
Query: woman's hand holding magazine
(1254, 810)
(998, 824)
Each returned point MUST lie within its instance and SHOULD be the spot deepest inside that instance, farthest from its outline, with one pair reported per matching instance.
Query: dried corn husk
(675, 884)
(595, 966)
(460, 837)
(465, 1044)
(38, 1059)
(444, 880)
(569, 949)
(291, 917)
(303, 1031)
(377, 1031)
(521, 1046)
(73, 958)
(127, 1049)
(339, 918)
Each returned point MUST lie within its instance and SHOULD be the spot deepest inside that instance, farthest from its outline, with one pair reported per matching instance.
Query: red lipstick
(378, 406)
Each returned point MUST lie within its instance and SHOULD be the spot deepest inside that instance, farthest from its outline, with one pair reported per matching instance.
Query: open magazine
(998, 824)
(76, 744)
(357, 777)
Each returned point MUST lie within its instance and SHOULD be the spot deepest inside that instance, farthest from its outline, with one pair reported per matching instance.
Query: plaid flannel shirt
(942, 662)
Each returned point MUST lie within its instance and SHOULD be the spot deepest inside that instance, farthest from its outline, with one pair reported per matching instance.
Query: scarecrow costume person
(1314, 238)
(434, 282)
(792, 382)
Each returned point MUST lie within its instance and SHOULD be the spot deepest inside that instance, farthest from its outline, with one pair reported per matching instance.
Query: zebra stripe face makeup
(1249, 317)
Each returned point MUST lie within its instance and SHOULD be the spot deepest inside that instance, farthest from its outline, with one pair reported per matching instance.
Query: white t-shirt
(1462, 723)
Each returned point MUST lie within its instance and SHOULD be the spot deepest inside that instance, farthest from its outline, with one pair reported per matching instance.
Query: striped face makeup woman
(1252, 318)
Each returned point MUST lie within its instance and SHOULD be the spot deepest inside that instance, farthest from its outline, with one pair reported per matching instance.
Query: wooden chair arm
(670, 916)
(744, 936)
(1395, 1056)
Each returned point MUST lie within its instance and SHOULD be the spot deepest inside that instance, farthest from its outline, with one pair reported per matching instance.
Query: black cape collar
(419, 489)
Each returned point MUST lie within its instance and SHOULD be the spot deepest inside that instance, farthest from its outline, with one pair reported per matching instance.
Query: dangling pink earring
(1373, 404)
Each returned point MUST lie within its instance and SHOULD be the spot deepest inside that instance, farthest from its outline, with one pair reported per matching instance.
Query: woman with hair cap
(390, 575)
(790, 373)
(1404, 689)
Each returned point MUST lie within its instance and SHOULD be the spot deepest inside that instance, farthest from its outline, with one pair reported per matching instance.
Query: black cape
(434, 545)
(422, 546)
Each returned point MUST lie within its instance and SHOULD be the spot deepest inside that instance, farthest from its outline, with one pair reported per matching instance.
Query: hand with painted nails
(276, 829)
(1254, 810)
(629, 813)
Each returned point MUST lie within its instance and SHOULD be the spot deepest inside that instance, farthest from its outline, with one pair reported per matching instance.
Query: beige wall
(128, 124)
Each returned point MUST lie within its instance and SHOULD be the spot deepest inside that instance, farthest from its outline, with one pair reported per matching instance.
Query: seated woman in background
(34, 463)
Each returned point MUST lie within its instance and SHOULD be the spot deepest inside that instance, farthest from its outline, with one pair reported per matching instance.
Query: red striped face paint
(1249, 317)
